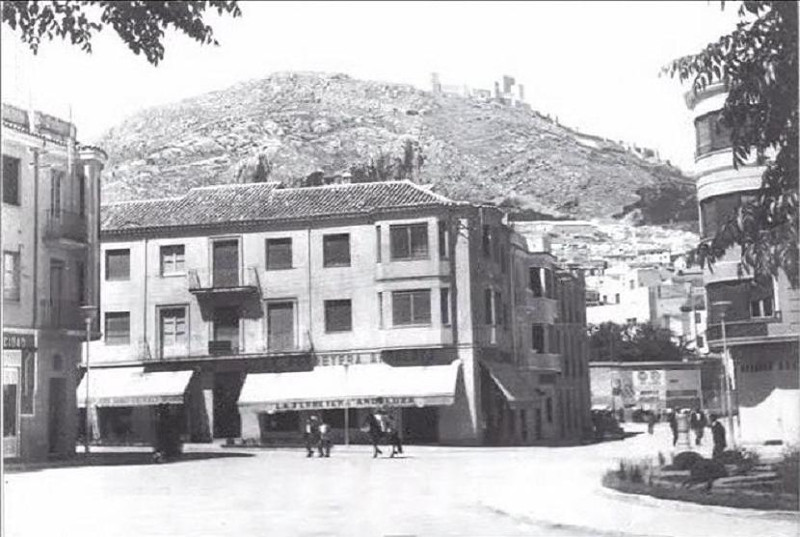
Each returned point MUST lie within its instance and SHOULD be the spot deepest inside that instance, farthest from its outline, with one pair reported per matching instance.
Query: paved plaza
(431, 491)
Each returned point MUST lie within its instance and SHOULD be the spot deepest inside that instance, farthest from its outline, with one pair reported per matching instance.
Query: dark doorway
(226, 263)
(226, 330)
(227, 423)
(537, 423)
(421, 425)
(56, 417)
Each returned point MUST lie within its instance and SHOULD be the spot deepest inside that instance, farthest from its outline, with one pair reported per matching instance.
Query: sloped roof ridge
(142, 200)
(233, 185)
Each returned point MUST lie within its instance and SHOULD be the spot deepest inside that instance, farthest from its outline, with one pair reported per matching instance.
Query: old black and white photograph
(400, 268)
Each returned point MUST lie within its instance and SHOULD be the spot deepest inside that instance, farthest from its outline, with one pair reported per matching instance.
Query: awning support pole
(346, 409)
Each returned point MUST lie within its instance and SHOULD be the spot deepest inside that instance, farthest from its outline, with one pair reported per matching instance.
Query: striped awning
(132, 386)
(356, 386)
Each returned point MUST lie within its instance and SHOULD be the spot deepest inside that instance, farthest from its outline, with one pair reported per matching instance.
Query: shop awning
(356, 386)
(132, 386)
(519, 386)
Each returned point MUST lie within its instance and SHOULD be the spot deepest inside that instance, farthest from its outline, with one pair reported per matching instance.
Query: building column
(208, 404)
(461, 423)
(251, 430)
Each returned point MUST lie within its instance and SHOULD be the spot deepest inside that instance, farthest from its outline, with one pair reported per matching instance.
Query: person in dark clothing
(311, 435)
(393, 434)
(651, 421)
(718, 436)
(698, 425)
(373, 426)
(673, 425)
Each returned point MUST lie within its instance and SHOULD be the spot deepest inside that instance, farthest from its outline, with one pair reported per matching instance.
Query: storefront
(123, 402)
(19, 388)
(512, 403)
(274, 406)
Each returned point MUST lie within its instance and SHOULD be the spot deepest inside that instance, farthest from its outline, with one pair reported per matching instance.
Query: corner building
(246, 307)
(762, 316)
(50, 215)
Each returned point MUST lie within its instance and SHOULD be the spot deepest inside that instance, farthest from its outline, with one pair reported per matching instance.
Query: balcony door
(226, 263)
(280, 326)
(226, 331)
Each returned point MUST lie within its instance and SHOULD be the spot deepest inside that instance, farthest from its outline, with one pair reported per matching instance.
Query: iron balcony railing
(61, 313)
(243, 278)
(738, 329)
(66, 225)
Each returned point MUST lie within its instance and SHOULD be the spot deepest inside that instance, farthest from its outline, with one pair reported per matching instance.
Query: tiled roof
(263, 202)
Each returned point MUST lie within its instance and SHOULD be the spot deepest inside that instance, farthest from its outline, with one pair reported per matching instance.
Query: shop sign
(18, 341)
(349, 358)
(355, 402)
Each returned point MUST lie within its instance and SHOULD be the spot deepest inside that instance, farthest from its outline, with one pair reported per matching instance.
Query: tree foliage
(611, 342)
(139, 24)
(757, 63)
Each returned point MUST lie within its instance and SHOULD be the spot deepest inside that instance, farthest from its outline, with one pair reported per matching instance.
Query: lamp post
(89, 313)
(346, 407)
(723, 306)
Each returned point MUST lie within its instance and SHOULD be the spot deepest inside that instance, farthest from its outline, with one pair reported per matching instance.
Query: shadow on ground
(116, 459)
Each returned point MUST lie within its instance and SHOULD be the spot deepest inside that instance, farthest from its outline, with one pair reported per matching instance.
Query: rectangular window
(11, 276)
(537, 338)
(336, 250)
(488, 308)
(411, 307)
(173, 327)
(380, 309)
(444, 296)
(225, 331)
(280, 325)
(487, 240)
(761, 308)
(498, 308)
(549, 409)
(409, 241)
(118, 264)
(699, 342)
(536, 281)
(616, 298)
(56, 180)
(444, 240)
(11, 166)
(378, 243)
(697, 318)
(338, 316)
(118, 328)
(172, 259)
(279, 254)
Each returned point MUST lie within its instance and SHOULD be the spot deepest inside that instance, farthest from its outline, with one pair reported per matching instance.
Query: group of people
(379, 425)
(697, 423)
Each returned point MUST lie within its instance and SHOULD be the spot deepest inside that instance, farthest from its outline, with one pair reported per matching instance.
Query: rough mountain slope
(300, 127)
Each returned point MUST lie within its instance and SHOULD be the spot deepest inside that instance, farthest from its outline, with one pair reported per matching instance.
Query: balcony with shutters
(66, 228)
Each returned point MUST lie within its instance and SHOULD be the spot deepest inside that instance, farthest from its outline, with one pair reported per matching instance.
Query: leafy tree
(139, 24)
(611, 342)
(757, 63)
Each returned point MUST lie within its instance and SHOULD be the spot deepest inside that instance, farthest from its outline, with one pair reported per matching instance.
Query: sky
(594, 65)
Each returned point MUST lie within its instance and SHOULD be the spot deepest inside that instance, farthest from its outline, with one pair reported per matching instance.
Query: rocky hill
(307, 128)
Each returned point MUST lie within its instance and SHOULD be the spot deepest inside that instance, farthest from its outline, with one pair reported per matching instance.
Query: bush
(634, 471)
(787, 470)
(685, 460)
(744, 460)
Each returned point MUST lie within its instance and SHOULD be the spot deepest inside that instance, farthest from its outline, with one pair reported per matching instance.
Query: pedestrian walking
(311, 435)
(325, 441)
(373, 428)
(393, 434)
(699, 426)
(651, 421)
(718, 437)
(673, 425)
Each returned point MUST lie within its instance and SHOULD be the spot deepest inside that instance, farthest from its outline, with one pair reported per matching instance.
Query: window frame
(275, 241)
(161, 333)
(327, 241)
(16, 276)
(413, 319)
(7, 186)
(407, 230)
(116, 340)
(327, 318)
(108, 254)
(174, 260)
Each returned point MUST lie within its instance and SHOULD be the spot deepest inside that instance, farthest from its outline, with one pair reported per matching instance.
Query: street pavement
(431, 491)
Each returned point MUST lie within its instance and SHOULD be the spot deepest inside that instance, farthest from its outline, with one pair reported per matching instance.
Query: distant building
(251, 306)
(51, 190)
(761, 316)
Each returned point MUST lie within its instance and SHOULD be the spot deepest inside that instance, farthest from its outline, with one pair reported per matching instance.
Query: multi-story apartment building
(251, 306)
(50, 244)
(761, 316)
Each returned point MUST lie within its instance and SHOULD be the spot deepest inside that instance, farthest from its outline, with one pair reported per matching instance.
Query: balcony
(745, 331)
(242, 281)
(542, 361)
(223, 347)
(61, 314)
(66, 227)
